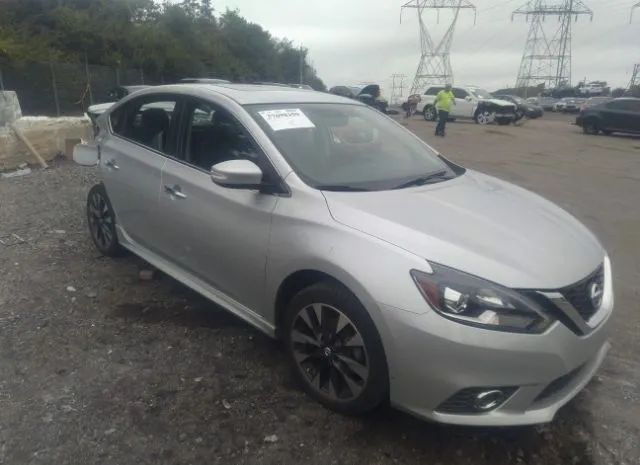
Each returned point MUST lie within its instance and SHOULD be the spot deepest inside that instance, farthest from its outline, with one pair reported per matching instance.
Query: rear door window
(150, 121)
(433, 90)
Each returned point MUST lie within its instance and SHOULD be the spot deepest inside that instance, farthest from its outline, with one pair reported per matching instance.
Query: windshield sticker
(290, 118)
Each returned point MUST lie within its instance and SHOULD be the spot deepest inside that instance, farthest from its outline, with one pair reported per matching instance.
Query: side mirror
(468, 98)
(85, 154)
(237, 174)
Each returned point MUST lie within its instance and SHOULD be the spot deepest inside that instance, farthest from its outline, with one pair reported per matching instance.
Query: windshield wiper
(425, 179)
(341, 188)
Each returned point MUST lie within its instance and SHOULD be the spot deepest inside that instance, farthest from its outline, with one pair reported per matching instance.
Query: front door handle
(111, 163)
(175, 191)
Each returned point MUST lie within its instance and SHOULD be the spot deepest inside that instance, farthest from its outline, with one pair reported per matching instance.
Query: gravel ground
(100, 367)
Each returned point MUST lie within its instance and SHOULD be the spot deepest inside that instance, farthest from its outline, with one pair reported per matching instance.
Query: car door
(218, 234)
(616, 115)
(143, 134)
(464, 103)
(634, 117)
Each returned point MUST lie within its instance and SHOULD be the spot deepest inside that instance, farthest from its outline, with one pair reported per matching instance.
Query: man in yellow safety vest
(444, 100)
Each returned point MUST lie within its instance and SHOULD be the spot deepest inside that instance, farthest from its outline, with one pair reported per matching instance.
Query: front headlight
(476, 302)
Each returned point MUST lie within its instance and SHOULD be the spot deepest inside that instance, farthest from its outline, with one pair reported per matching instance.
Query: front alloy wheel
(429, 113)
(330, 352)
(484, 117)
(335, 349)
(590, 126)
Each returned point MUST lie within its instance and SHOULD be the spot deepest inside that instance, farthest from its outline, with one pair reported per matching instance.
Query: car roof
(246, 94)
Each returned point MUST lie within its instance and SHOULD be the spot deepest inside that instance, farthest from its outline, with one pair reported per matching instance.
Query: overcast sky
(354, 41)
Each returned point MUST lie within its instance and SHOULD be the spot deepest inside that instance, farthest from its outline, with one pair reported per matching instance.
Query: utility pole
(547, 53)
(397, 87)
(301, 70)
(434, 66)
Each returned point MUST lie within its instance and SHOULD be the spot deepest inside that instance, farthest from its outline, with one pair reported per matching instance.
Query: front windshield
(347, 147)
(481, 93)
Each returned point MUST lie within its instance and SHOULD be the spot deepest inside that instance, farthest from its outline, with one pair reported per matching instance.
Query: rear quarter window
(117, 120)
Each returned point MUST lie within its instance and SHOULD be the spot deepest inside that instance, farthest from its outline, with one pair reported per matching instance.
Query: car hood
(499, 102)
(480, 225)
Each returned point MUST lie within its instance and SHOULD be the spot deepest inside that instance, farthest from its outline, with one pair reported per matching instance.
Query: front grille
(578, 294)
(463, 401)
(557, 385)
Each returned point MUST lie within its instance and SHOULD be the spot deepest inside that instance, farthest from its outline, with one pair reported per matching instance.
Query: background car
(569, 104)
(593, 101)
(472, 102)
(523, 107)
(619, 115)
(113, 95)
(369, 94)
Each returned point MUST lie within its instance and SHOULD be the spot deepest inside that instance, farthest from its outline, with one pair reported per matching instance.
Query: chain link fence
(64, 89)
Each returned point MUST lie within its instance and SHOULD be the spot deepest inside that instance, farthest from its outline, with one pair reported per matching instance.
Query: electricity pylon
(635, 77)
(637, 5)
(435, 66)
(547, 57)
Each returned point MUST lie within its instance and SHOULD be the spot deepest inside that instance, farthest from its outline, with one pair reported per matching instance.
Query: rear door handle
(111, 163)
(175, 191)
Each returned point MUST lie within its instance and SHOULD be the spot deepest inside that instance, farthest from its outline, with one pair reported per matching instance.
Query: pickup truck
(471, 102)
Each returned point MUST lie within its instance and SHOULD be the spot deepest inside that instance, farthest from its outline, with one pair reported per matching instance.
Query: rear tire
(430, 113)
(590, 126)
(335, 350)
(102, 222)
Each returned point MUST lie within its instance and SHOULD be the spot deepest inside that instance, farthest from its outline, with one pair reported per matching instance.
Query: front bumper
(434, 358)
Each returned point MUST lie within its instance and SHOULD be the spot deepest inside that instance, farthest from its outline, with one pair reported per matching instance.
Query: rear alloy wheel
(484, 117)
(335, 349)
(429, 113)
(102, 222)
(590, 126)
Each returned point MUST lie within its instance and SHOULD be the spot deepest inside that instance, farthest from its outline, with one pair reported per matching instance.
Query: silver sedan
(389, 272)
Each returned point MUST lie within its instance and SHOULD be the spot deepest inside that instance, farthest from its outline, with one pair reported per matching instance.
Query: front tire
(335, 350)
(102, 222)
(590, 126)
(430, 113)
(484, 117)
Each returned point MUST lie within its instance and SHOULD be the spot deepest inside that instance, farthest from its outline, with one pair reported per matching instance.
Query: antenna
(434, 66)
(547, 52)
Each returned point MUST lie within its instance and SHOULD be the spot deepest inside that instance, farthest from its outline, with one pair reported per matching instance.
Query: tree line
(167, 41)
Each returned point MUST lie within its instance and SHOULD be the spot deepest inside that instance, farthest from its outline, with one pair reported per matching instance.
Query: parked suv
(619, 115)
(471, 102)
(389, 272)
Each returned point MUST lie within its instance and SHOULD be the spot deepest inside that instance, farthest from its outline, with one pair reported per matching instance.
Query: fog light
(477, 400)
(488, 400)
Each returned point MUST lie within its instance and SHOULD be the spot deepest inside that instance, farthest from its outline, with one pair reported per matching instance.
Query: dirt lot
(115, 370)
